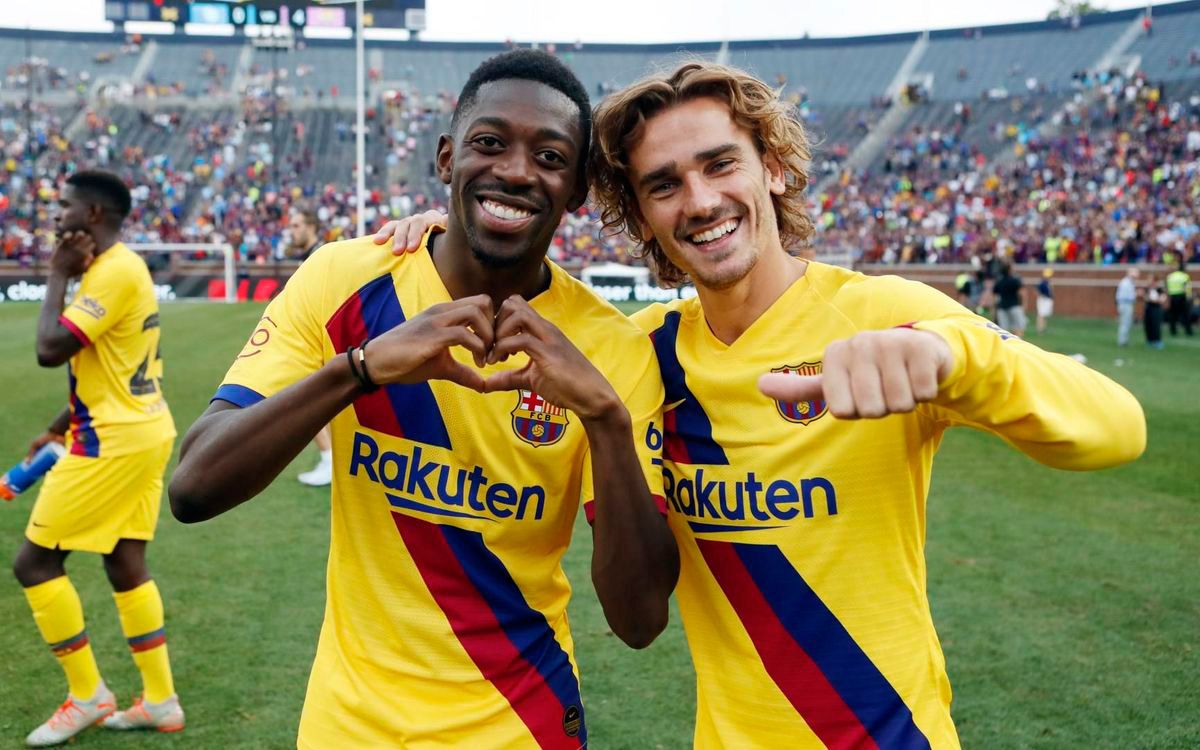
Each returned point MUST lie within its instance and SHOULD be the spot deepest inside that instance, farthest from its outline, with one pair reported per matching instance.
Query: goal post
(225, 249)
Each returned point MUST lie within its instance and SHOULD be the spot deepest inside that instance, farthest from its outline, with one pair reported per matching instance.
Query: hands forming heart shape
(419, 350)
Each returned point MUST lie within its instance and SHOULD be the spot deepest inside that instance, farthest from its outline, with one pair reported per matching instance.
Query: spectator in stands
(1010, 302)
(1126, 298)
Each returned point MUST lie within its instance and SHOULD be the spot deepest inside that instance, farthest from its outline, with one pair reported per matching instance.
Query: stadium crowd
(1111, 176)
(1118, 182)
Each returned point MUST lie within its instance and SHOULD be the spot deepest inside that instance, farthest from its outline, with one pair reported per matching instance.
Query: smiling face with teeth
(513, 166)
(704, 192)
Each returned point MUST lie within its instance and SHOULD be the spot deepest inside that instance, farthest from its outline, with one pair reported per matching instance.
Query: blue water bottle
(22, 476)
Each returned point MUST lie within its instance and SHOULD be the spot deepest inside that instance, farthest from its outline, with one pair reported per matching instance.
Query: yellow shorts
(89, 504)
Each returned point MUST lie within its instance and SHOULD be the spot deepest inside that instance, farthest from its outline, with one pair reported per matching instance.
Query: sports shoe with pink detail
(164, 717)
(72, 717)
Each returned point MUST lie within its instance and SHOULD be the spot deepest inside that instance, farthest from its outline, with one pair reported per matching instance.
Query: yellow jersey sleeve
(1050, 407)
(1055, 410)
(287, 345)
(104, 294)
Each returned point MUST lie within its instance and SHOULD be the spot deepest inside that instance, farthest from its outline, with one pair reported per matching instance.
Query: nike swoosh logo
(39, 525)
(669, 407)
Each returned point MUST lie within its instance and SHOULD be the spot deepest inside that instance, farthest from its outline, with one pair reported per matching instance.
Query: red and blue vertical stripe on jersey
(808, 653)
(407, 411)
(687, 430)
(84, 440)
(510, 642)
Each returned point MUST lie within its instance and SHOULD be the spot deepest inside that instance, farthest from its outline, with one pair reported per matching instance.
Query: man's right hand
(419, 349)
(406, 234)
(73, 253)
(41, 440)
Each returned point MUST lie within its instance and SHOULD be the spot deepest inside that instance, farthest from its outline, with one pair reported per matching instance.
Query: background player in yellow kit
(457, 481)
(802, 527)
(103, 495)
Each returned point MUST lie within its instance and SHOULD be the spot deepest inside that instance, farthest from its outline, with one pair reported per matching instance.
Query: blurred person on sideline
(1127, 295)
(1152, 315)
(1179, 299)
(1045, 300)
(304, 238)
(1010, 301)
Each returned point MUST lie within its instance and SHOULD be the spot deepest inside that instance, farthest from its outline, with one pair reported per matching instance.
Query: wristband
(363, 381)
(362, 365)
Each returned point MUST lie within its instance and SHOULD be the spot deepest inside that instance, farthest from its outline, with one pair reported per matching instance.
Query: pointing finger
(791, 388)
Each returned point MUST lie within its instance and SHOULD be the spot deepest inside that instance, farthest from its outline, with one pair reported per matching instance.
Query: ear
(580, 194)
(95, 214)
(445, 157)
(776, 178)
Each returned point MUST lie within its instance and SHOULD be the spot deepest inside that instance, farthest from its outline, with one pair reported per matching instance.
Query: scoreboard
(298, 14)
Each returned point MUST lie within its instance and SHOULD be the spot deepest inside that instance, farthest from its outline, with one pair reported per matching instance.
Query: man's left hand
(871, 374)
(556, 371)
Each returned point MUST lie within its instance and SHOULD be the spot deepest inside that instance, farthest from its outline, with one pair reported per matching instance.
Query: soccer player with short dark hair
(103, 495)
(477, 394)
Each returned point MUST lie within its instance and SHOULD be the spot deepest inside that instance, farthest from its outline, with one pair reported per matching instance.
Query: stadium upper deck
(955, 63)
(194, 119)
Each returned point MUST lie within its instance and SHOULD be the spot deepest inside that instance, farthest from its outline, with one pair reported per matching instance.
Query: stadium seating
(1172, 51)
(999, 115)
(965, 66)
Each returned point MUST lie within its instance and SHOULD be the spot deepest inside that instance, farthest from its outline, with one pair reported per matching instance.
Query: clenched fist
(871, 374)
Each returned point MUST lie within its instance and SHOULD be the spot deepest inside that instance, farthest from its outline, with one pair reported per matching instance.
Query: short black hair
(528, 65)
(104, 188)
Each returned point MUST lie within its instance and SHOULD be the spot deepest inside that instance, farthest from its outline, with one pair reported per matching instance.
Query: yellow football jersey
(802, 537)
(445, 621)
(117, 404)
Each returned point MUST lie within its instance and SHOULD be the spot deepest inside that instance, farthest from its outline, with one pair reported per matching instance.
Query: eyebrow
(543, 133)
(670, 167)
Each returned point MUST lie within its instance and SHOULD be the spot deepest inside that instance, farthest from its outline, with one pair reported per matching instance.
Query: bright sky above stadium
(637, 21)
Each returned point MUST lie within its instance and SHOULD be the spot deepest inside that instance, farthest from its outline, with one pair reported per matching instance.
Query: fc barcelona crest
(537, 421)
(801, 412)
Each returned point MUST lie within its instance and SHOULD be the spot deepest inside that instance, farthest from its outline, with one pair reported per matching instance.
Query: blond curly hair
(619, 122)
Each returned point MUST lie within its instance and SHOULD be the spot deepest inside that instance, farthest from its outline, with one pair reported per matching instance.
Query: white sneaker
(321, 476)
(165, 717)
(72, 717)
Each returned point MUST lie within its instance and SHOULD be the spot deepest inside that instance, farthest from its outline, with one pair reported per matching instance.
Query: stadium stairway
(869, 149)
(149, 53)
(1107, 60)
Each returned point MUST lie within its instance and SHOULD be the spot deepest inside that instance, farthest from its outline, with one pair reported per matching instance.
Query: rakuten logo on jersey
(433, 487)
(748, 502)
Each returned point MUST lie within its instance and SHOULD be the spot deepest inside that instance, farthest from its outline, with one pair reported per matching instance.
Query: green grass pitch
(1068, 604)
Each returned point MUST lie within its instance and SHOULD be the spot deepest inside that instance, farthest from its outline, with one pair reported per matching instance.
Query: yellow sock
(59, 616)
(141, 612)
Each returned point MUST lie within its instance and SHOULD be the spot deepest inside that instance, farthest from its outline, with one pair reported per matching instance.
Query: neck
(104, 239)
(465, 275)
(730, 311)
